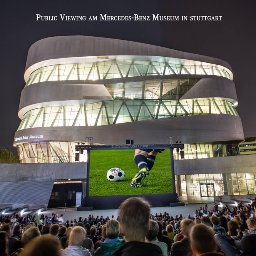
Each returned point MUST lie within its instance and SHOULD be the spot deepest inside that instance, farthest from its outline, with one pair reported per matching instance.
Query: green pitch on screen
(159, 180)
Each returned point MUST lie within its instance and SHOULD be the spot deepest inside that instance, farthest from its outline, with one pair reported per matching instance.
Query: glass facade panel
(125, 66)
(241, 179)
(195, 151)
(209, 185)
(251, 186)
(117, 111)
(50, 152)
(203, 190)
(151, 89)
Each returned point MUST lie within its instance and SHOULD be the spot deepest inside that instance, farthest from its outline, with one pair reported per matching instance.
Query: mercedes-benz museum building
(90, 90)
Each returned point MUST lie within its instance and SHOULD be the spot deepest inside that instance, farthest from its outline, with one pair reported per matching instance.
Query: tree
(6, 156)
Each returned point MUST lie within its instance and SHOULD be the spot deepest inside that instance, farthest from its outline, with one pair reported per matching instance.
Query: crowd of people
(215, 231)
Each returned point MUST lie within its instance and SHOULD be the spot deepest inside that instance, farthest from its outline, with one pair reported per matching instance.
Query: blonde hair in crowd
(134, 215)
(77, 236)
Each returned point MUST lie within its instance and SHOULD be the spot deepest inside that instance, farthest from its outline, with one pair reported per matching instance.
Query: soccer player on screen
(144, 159)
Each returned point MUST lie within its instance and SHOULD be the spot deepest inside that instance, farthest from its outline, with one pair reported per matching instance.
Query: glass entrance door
(207, 189)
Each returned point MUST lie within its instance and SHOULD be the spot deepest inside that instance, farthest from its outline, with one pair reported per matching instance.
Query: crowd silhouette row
(216, 231)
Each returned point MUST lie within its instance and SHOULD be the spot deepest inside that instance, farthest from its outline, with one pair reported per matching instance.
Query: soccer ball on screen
(115, 174)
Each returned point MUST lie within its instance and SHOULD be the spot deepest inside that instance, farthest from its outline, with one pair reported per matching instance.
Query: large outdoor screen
(159, 180)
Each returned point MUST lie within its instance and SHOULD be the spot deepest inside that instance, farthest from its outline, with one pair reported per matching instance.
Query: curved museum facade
(81, 89)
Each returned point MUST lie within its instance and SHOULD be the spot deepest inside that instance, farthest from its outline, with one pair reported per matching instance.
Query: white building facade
(81, 90)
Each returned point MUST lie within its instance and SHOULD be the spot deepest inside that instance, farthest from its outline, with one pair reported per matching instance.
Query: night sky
(233, 39)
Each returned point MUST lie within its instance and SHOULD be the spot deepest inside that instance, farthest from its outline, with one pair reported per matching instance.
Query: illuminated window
(125, 66)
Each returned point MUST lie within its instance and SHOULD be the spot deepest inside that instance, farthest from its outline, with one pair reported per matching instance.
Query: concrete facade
(31, 184)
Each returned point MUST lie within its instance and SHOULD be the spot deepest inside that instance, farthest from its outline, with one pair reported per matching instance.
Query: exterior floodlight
(221, 205)
(24, 212)
(41, 211)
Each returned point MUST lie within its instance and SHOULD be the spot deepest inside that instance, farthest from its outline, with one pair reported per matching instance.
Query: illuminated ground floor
(205, 187)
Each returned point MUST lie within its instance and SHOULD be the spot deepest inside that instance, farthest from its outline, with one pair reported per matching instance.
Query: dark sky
(233, 39)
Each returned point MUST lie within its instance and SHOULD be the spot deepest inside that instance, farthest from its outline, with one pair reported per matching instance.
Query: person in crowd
(15, 240)
(163, 238)
(4, 243)
(134, 215)
(242, 219)
(102, 237)
(45, 229)
(170, 232)
(224, 241)
(64, 239)
(206, 220)
(29, 235)
(253, 204)
(76, 238)
(217, 228)
(112, 242)
(87, 227)
(224, 222)
(60, 219)
(248, 245)
(237, 220)
(233, 230)
(178, 236)
(54, 229)
(16, 232)
(197, 221)
(202, 241)
(152, 237)
(13, 243)
(45, 245)
(93, 234)
(182, 247)
(88, 244)
(251, 224)
(62, 231)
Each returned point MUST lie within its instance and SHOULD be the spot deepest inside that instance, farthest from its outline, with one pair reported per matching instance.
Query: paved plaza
(72, 213)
